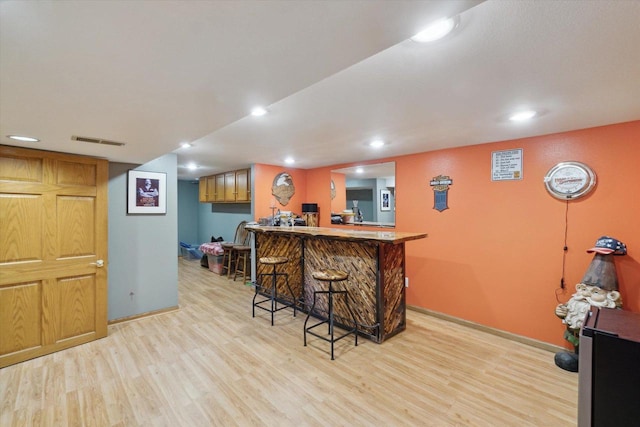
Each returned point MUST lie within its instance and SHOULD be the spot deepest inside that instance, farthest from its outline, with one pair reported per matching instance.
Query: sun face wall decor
(283, 188)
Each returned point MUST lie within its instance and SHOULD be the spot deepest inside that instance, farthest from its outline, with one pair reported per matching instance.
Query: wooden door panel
(76, 219)
(230, 187)
(21, 227)
(20, 168)
(53, 220)
(76, 306)
(202, 190)
(20, 317)
(211, 188)
(243, 185)
(69, 173)
(219, 188)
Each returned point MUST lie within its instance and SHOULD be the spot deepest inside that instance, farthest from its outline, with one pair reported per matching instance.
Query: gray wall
(142, 248)
(365, 202)
(188, 222)
(221, 219)
(385, 216)
(198, 222)
(370, 204)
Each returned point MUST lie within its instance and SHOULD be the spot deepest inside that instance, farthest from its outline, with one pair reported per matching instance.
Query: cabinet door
(219, 188)
(202, 190)
(243, 185)
(211, 188)
(230, 186)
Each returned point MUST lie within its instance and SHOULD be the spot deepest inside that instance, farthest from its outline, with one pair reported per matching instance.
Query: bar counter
(375, 261)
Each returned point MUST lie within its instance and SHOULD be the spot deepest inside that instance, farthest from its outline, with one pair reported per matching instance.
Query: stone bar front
(375, 261)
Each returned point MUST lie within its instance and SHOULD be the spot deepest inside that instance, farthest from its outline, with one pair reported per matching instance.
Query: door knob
(98, 263)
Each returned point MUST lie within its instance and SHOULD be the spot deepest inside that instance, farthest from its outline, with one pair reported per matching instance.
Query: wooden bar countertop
(374, 261)
(387, 236)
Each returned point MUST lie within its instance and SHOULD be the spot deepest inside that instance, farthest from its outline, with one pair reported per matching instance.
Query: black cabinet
(609, 370)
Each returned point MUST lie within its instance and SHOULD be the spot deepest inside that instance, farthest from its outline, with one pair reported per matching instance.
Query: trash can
(310, 214)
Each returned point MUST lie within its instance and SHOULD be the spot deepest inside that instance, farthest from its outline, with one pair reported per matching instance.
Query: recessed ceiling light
(192, 166)
(376, 143)
(522, 116)
(435, 31)
(258, 111)
(23, 138)
(359, 170)
(289, 160)
(186, 145)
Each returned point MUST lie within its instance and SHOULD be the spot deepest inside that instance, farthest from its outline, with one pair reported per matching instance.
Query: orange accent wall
(263, 180)
(495, 256)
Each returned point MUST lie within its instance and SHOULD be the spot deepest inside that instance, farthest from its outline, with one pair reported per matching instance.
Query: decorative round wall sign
(569, 180)
(283, 188)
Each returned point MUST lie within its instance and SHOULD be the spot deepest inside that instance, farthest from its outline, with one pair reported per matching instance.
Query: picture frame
(385, 200)
(146, 193)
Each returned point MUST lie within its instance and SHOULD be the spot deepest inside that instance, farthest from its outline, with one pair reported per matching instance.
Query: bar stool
(330, 276)
(242, 253)
(273, 291)
(227, 257)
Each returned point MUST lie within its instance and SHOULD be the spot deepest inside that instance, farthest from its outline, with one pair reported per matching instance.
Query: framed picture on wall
(146, 192)
(385, 200)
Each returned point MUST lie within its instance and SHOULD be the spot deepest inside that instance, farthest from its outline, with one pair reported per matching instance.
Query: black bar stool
(273, 291)
(330, 276)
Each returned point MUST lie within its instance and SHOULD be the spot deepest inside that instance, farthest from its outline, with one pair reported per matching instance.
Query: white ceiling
(333, 75)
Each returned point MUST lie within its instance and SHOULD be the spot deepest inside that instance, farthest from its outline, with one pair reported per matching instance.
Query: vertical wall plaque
(440, 185)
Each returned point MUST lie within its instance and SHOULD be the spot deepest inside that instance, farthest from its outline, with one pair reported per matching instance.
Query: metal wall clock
(569, 180)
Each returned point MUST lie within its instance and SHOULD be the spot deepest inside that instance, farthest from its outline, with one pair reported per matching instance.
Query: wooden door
(230, 187)
(211, 188)
(219, 192)
(53, 252)
(243, 185)
(203, 195)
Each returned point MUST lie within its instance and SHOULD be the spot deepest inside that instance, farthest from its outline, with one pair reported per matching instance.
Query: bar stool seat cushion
(274, 260)
(330, 275)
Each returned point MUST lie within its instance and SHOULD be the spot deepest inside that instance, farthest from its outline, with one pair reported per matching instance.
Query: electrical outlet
(406, 282)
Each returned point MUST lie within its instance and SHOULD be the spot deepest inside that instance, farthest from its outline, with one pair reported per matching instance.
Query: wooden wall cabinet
(227, 187)
(230, 186)
(202, 189)
(243, 185)
(206, 189)
(218, 193)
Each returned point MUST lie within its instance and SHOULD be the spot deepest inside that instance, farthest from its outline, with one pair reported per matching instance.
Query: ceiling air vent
(96, 140)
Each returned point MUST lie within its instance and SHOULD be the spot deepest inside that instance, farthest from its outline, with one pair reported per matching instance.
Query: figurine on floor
(599, 288)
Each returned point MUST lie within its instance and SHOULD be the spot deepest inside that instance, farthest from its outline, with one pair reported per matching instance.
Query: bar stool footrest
(283, 305)
(328, 339)
(270, 293)
(339, 321)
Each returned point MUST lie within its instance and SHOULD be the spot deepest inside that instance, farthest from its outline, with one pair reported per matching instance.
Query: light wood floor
(212, 364)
